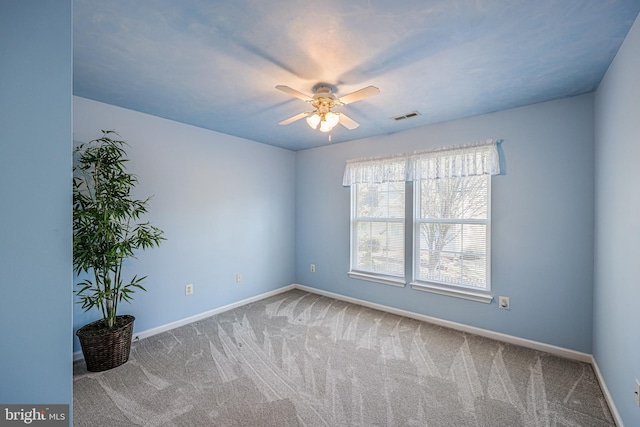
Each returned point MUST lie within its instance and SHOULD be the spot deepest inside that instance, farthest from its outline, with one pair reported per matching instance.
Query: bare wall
(617, 293)
(35, 202)
(542, 229)
(226, 206)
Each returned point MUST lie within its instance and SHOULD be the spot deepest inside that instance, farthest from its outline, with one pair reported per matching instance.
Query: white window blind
(452, 232)
(377, 230)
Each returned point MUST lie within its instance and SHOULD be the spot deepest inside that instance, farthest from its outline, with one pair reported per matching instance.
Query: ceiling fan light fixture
(313, 120)
(329, 121)
(332, 118)
(324, 127)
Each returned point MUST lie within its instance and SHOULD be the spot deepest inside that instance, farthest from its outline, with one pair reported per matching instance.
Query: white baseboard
(607, 395)
(548, 348)
(167, 327)
(535, 345)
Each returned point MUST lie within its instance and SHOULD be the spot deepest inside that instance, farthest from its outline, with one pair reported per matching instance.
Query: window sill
(470, 294)
(387, 280)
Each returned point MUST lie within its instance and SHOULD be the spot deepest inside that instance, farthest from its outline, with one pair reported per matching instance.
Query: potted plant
(107, 230)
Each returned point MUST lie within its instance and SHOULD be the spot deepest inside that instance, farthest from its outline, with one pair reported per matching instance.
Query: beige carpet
(300, 359)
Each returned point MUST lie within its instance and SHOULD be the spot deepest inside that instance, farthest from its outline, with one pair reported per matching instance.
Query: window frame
(443, 287)
(481, 158)
(354, 271)
(411, 216)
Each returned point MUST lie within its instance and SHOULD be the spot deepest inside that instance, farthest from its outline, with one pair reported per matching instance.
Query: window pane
(439, 251)
(454, 198)
(453, 253)
(380, 247)
(439, 236)
(474, 271)
(474, 260)
(474, 239)
(380, 200)
(475, 197)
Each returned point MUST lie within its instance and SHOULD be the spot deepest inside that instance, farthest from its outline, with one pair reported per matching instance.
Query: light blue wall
(542, 230)
(35, 202)
(617, 274)
(226, 205)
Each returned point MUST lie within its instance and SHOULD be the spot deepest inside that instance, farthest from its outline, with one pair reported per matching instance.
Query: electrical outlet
(312, 268)
(188, 289)
(503, 302)
(238, 277)
(637, 392)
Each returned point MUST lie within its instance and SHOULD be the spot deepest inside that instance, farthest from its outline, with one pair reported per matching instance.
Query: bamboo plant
(107, 226)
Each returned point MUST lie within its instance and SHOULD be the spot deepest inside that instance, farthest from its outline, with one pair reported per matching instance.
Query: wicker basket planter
(105, 348)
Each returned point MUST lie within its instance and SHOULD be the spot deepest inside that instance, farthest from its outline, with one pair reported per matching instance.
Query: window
(378, 231)
(449, 210)
(451, 236)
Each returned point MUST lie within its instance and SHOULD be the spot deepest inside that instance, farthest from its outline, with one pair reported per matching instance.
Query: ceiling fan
(322, 117)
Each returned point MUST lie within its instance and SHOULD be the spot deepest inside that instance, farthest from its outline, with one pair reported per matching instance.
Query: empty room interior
(313, 271)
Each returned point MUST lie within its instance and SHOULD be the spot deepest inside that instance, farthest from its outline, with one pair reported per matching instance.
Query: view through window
(448, 215)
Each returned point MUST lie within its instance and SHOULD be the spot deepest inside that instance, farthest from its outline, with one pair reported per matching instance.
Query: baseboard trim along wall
(607, 395)
(169, 326)
(535, 345)
(547, 348)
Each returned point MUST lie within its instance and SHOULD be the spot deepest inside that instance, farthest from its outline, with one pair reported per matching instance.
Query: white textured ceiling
(215, 64)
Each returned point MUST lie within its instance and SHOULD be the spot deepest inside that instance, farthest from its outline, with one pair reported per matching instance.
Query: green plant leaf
(105, 224)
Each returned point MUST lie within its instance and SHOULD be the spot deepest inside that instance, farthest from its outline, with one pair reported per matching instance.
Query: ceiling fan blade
(348, 122)
(359, 94)
(294, 118)
(293, 92)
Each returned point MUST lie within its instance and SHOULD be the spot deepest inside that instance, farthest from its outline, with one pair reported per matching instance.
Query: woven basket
(105, 348)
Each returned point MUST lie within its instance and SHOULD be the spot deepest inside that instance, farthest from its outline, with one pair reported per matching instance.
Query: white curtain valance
(480, 158)
(375, 170)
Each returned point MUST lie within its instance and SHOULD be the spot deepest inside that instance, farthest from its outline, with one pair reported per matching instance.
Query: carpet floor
(301, 359)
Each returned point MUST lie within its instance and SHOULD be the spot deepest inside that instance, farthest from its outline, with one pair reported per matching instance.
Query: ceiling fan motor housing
(324, 100)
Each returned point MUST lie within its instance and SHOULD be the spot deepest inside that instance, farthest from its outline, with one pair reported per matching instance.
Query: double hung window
(451, 236)
(378, 231)
(448, 219)
(378, 219)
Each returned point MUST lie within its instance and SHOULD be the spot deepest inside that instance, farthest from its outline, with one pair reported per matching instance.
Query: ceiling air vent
(406, 116)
